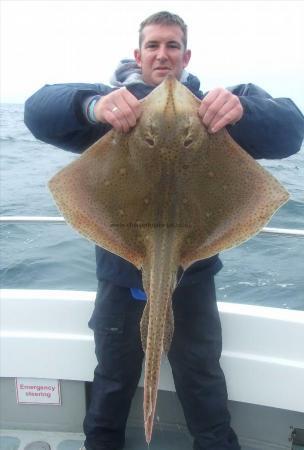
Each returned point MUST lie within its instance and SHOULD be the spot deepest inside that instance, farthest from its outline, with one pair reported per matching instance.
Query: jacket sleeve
(270, 128)
(54, 115)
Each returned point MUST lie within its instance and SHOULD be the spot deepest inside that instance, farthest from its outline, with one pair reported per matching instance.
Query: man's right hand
(119, 108)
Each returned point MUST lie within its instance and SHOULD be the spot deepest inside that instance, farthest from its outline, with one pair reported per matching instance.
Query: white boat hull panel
(44, 334)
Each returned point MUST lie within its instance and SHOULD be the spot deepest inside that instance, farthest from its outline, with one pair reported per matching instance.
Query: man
(72, 117)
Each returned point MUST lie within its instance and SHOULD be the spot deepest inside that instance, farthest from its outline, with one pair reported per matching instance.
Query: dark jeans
(194, 358)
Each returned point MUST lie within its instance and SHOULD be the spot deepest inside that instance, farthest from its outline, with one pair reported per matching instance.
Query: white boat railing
(58, 219)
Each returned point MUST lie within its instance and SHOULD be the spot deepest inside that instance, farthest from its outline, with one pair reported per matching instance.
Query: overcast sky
(232, 42)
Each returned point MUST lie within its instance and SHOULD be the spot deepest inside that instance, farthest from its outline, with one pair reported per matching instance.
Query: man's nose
(162, 53)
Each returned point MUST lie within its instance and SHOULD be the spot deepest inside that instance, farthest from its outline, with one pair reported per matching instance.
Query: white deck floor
(42, 440)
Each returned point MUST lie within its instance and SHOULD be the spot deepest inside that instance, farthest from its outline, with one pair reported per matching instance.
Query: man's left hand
(220, 108)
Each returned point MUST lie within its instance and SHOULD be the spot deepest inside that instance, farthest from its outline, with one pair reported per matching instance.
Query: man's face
(162, 52)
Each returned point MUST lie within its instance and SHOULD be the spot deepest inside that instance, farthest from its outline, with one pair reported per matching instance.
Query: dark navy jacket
(270, 128)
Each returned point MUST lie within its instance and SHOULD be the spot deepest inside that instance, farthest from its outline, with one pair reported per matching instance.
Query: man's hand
(220, 108)
(119, 108)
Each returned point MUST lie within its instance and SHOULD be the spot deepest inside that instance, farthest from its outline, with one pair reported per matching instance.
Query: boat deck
(45, 440)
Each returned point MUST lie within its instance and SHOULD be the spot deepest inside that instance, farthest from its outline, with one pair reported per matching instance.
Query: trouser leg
(119, 353)
(194, 358)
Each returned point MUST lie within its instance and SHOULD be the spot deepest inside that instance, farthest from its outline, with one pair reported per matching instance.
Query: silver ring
(115, 109)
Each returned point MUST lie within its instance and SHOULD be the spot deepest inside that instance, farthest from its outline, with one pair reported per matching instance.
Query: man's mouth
(162, 69)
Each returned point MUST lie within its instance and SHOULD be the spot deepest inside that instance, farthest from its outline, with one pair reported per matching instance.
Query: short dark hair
(164, 18)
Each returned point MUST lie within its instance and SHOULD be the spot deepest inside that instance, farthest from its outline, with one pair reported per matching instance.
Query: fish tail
(159, 274)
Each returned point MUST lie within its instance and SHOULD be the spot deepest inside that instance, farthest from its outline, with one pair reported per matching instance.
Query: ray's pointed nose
(170, 80)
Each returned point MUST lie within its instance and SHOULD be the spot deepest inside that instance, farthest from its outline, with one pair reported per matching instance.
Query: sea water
(267, 270)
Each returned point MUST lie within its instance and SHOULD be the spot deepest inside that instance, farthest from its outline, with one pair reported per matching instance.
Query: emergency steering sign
(38, 391)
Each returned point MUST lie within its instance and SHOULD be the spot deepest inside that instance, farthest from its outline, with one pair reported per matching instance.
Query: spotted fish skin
(163, 244)
(159, 279)
(164, 195)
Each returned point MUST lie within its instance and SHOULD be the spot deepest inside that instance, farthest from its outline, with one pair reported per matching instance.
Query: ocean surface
(267, 270)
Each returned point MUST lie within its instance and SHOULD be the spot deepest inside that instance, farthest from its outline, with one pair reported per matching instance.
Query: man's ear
(187, 56)
(137, 56)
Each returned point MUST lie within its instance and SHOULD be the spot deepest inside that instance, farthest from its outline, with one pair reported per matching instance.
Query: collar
(129, 73)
